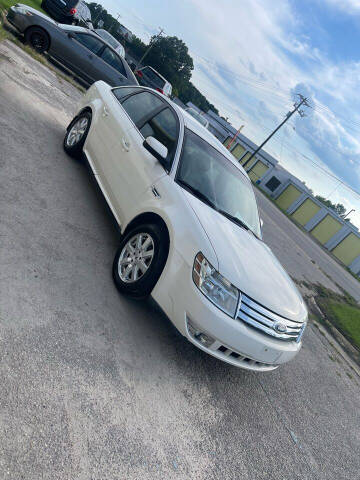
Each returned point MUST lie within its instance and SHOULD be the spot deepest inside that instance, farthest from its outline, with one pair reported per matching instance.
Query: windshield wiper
(206, 200)
(235, 219)
(198, 194)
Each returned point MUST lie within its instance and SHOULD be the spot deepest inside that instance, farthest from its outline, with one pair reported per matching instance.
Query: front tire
(38, 39)
(140, 260)
(76, 135)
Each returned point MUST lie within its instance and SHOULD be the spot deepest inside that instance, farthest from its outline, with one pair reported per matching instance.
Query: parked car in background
(200, 118)
(111, 41)
(71, 12)
(149, 77)
(78, 49)
(191, 233)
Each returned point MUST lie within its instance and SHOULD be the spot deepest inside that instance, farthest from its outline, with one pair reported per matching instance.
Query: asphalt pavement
(96, 386)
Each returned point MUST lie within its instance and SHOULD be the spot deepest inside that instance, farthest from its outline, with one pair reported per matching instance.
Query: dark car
(78, 49)
(71, 12)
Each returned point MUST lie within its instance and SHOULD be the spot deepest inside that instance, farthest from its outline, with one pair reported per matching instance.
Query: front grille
(259, 317)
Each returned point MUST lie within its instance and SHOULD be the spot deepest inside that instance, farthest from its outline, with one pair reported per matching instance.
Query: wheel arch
(149, 217)
(83, 110)
(33, 27)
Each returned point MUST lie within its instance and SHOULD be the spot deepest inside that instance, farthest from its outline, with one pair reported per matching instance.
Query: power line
(303, 101)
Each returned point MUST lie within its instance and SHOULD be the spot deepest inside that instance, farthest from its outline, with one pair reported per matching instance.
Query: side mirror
(157, 149)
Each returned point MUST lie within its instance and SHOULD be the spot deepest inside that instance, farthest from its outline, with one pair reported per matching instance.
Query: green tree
(170, 57)
(338, 207)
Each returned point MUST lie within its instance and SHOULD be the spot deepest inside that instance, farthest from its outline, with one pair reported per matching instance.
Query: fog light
(200, 336)
(205, 339)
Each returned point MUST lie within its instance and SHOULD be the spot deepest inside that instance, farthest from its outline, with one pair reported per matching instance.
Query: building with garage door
(291, 195)
(337, 235)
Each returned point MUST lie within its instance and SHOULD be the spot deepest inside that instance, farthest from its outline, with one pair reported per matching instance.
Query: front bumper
(234, 341)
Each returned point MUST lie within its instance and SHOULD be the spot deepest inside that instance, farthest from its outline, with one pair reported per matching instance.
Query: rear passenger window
(114, 60)
(164, 127)
(90, 42)
(141, 105)
(122, 92)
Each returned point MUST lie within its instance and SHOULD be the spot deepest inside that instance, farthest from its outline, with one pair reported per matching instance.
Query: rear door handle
(105, 112)
(126, 144)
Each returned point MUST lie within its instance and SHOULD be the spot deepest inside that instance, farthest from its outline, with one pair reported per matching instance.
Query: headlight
(214, 286)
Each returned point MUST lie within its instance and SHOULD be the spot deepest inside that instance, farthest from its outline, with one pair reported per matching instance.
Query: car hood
(249, 264)
(35, 12)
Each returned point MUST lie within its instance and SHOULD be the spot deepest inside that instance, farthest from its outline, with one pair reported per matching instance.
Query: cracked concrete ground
(96, 386)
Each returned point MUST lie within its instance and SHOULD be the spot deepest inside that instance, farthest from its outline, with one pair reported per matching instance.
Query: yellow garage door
(326, 229)
(257, 171)
(305, 212)
(227, 141)
(348, 249)
(238, 150)
(288, 197)
(245, 159)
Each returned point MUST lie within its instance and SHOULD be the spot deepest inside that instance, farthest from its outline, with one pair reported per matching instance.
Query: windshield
(212, 177)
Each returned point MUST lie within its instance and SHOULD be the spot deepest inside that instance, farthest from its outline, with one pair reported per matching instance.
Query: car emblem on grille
(280, 327)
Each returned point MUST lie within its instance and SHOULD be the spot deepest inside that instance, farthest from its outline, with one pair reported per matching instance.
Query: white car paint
(127, 173)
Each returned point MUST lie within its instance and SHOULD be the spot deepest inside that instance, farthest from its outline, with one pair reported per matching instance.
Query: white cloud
(347, 6)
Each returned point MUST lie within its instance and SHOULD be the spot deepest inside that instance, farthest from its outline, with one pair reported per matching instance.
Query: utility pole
(152, 42)
(302, 101)
(352, 210)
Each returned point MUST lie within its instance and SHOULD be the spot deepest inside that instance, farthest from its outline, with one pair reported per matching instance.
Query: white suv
(191, 233)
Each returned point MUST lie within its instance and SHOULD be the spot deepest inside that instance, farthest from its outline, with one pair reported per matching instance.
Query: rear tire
(135, 269)
(76, 134)
(38, 39)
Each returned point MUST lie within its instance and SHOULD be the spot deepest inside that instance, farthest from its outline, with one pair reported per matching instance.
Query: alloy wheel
(77, 131)
(135, 258)
(38, 41)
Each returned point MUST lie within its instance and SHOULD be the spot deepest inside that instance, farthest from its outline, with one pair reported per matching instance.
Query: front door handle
(105, 112)
(126, 144)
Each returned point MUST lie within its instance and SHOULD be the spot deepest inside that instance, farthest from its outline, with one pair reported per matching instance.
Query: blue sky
(252, 56)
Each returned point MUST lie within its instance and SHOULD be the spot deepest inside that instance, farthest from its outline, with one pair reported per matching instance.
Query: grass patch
(338, 309)
(5, 4)
(346, 318)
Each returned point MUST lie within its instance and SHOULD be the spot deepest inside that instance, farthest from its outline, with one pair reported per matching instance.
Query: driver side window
(141, 105)
(163, 126)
